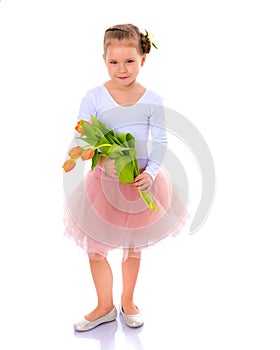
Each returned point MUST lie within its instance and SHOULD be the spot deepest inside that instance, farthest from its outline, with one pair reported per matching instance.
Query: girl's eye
(113, 62)
(129, 61)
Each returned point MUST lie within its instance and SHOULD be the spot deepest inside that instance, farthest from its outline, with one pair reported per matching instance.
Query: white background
(218, 64)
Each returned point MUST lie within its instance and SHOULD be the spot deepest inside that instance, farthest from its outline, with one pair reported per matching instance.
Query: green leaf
(112, 138)
(115, 151)
(98, 124)
(130, 140)
(136, 170)
(122, 139)
(94, 160)
(89, 132)
(129, 137)
(131, 152)
(90, 140)
(124, 168)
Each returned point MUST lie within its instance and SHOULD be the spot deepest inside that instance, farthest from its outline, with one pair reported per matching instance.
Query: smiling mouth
(122, 78)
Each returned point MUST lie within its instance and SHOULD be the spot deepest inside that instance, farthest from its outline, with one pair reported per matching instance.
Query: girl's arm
(158, 139)
(87, 108)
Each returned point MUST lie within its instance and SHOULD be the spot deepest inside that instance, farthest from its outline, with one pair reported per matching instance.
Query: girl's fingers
(143, 176)
(143, 182)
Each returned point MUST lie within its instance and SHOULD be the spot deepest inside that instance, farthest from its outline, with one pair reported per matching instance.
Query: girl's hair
(128, 32)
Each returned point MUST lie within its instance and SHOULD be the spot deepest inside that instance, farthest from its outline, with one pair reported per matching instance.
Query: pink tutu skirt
(102, 214)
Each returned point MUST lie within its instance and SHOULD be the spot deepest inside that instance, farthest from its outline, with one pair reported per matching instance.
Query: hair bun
(145, 43)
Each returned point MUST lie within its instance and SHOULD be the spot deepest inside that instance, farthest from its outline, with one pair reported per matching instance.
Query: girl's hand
(143, 182)
(109, 166)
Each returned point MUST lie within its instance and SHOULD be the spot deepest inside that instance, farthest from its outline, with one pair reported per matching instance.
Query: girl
(102, 213)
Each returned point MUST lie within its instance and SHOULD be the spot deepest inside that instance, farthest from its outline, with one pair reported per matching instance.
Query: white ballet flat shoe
(84, 325)
(133, 321)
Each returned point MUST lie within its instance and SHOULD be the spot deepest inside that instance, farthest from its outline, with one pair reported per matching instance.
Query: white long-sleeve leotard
(145, 120)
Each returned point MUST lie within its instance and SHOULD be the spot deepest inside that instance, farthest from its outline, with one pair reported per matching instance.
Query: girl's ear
(143, 59)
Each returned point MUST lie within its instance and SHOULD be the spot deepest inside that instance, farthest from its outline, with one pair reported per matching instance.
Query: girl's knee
(131, 253)
(96, 257)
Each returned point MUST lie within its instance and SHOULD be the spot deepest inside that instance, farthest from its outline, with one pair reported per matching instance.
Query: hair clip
(151, 39)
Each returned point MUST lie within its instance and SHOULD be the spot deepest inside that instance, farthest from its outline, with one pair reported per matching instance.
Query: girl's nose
(122, 67)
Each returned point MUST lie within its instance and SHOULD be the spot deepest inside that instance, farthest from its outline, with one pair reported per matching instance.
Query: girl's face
(123, 62)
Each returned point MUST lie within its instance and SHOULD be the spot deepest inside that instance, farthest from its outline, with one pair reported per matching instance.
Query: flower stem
(104, 145)
(148, 200)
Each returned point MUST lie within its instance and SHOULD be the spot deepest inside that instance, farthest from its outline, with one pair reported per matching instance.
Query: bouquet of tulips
(103, 142)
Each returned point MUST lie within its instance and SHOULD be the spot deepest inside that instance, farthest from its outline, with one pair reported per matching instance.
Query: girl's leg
(130, 269)
(103, 280)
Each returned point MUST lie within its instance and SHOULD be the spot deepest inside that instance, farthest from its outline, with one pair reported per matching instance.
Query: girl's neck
(125, 95)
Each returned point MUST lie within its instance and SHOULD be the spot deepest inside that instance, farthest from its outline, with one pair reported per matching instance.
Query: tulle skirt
(102, 214)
